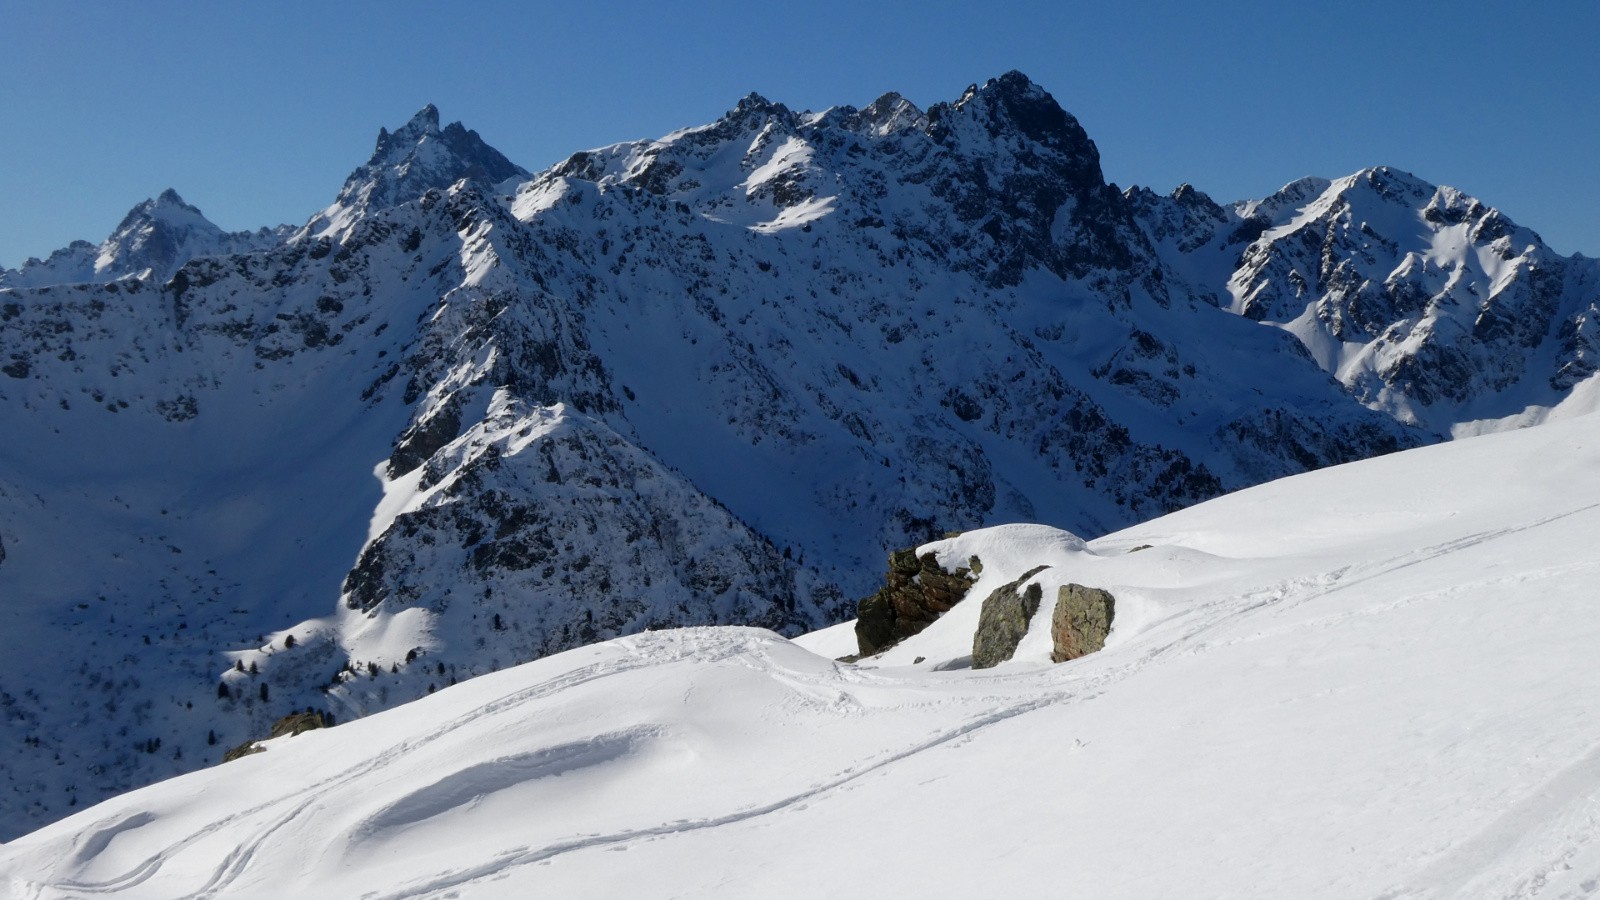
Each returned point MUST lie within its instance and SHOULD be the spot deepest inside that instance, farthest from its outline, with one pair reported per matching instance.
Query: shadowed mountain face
(468, 416)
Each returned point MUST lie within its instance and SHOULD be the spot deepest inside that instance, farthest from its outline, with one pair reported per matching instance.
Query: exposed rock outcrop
(1004, 620)
(915, 593)
(1081, 621)
(292, 724)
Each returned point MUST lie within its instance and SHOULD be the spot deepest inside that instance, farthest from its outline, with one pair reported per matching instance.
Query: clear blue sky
(255, 112)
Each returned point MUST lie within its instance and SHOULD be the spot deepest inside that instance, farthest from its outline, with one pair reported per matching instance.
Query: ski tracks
(1519, 853)
(298, 802)
(1297, 591)
(528, 856)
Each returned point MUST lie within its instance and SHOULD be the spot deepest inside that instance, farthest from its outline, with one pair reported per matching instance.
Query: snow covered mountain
(154, 239)
(1374, 680)
(468, 416)
(1421, 300)
(419, 157)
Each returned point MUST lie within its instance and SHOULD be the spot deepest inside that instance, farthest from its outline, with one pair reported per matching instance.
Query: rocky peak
(1016, 103)
(153, 240)
(156, 237)
(754, 102)
(424, 124)
(1188, 197)
(891, 113)
(1024, 172)
(1286, 199)
(167, 209)
(408, 162)
(755, 111)
(450, 152)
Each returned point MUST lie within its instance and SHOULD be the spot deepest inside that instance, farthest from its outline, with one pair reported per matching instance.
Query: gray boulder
(1004, 620)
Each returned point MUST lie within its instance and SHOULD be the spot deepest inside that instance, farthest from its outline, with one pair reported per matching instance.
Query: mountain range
(469, 416)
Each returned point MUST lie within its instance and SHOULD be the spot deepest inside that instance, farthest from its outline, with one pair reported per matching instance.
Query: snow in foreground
(1370, 681)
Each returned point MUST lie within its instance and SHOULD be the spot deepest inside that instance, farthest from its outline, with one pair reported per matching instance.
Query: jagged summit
(406, 163)
(892, 112)
(392, 146)
(423, 122)
(476, 158)
(1013, 102)
(754, 102)
(167, 208)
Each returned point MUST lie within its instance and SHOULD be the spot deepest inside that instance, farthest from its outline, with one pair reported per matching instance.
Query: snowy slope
(1372, 680)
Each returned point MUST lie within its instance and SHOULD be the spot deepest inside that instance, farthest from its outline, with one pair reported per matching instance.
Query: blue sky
(257, 112)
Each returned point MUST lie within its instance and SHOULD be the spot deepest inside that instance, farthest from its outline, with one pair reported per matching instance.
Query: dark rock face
(1004, 620)
(425, 438)
(1026, 175)
(296, 723)
(243, 750)
(916, 592)
(1081, 621)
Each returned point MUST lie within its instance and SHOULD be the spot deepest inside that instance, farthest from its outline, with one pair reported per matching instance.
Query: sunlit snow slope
(1374, 680)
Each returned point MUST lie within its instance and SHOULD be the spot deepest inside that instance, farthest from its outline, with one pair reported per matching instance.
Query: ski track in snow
(1551, 824)
(300, 800)
(453, 880)
(1305, 589)
(464, 786)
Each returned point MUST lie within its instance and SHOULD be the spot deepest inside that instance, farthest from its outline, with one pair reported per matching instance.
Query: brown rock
(1081, 621)
(916, 591)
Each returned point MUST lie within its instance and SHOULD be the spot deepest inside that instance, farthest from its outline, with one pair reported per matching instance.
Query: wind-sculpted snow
(1370, 681)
